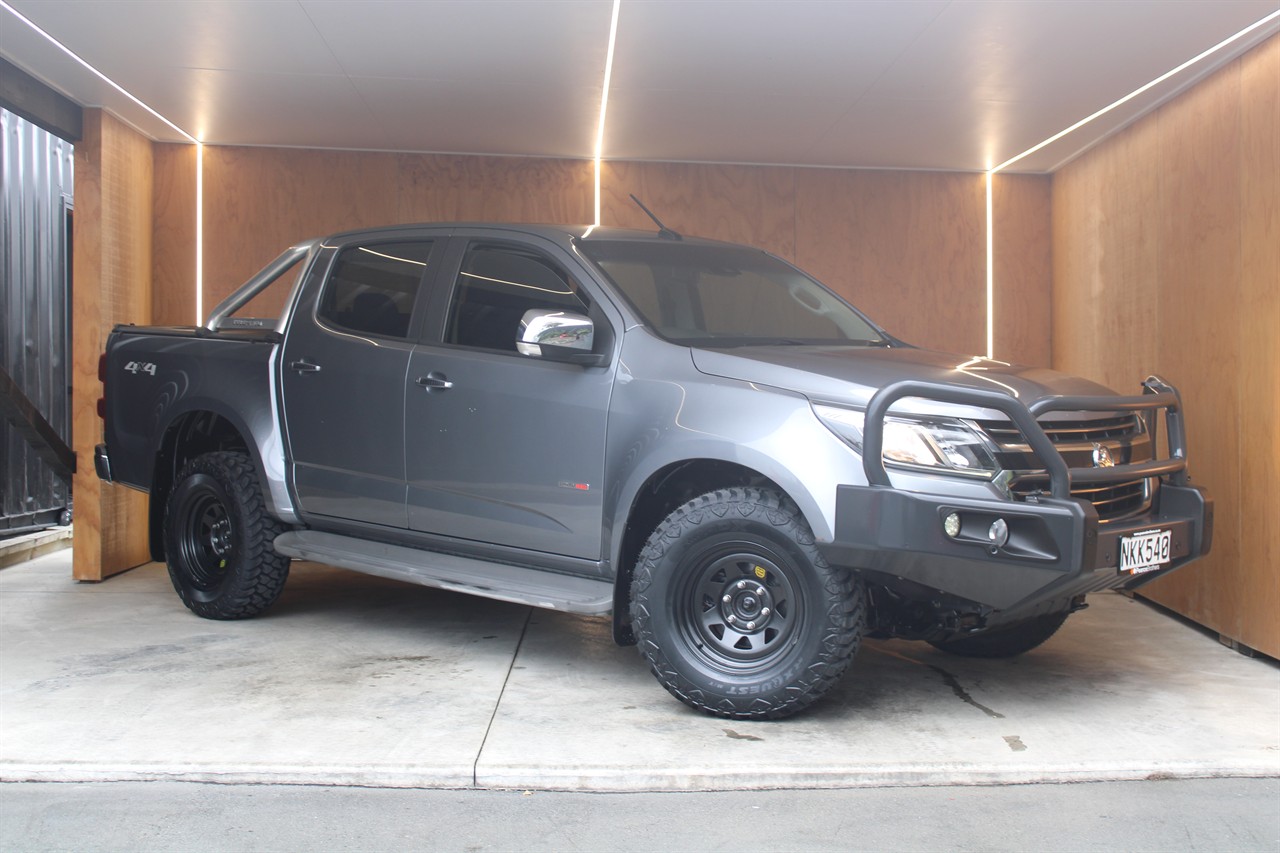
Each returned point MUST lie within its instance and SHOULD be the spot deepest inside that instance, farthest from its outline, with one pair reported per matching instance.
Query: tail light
(102, 377)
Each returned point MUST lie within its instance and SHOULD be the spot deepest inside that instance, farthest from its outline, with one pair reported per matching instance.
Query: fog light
(999, 532)
(951, 525)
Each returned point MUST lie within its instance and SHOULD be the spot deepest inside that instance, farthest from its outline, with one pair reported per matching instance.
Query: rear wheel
(1005, 642)
(737, 612)
(218, 539)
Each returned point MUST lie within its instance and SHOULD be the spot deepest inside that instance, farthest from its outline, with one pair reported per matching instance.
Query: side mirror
(557, 336)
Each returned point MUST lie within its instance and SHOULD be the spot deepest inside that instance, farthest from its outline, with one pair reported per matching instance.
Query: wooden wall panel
(1022, 268)
(1166, 247)
(1259, 370)
(908, 248)
(1077, 241)
(173, 267)
(445, 188)
(112, 280)
(890, 241)
(741, 204)
(1106, 256)
(259, 201)
(1199, 309)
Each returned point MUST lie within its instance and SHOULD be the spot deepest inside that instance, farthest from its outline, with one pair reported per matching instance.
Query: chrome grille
(1067, 432)
(1074, 437)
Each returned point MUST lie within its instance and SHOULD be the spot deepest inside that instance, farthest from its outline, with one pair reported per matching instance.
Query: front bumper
(1057, 548)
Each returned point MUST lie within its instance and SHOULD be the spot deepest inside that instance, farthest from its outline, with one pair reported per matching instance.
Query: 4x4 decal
(136, 367)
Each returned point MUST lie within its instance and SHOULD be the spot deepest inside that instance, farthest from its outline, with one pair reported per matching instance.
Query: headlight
(945, 445)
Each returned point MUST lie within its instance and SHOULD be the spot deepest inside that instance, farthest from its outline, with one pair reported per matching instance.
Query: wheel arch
(658, 496)
(188, 435)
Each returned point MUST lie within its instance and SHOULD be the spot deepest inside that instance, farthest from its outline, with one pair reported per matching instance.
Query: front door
(343, 374)
(504, 448)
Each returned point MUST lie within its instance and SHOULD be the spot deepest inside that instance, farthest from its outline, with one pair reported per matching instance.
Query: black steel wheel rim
(207, 539)
(740, 607)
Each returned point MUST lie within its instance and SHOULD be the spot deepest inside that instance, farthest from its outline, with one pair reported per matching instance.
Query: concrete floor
(354, 680)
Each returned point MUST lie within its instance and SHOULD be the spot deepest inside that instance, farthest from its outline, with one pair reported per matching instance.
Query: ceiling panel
(547, 45)
(931, 84)
(499, 119)
(799, 48)
(235, 36)
(744, 127)
(269, 109)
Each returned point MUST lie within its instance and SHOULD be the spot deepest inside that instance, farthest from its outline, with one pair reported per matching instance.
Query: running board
(517, 584)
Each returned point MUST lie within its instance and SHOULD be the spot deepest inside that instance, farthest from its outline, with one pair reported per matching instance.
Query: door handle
(434, 381)
(303, 366)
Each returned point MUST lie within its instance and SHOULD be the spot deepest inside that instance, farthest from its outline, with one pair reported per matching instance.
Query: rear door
(503, 448)
(343, 374)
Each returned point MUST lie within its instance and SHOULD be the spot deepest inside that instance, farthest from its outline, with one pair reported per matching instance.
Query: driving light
(999, 532)
(951, 525)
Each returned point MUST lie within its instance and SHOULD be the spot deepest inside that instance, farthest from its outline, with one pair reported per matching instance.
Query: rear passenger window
(496, 285)
(371, 289)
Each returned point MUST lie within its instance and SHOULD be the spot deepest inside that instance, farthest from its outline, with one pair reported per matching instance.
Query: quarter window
(372, 288)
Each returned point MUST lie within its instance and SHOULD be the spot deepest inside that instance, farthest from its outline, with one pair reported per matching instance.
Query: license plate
(1145, 551)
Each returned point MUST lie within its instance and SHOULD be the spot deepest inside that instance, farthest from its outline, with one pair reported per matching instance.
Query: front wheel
(736, 610)
(218, 539)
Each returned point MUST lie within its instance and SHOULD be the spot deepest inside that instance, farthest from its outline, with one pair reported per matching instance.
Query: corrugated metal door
(35, 266)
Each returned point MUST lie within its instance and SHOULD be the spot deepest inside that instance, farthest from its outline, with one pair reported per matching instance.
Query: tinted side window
(372, 288)
(496, 285)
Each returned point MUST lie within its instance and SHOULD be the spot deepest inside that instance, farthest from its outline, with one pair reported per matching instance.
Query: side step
(538, 588)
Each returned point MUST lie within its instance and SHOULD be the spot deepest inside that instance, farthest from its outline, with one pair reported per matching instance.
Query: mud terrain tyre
(218, 539)
(1005, 642)
(737, 612)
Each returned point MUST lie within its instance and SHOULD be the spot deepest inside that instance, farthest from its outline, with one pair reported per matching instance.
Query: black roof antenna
(663, 231)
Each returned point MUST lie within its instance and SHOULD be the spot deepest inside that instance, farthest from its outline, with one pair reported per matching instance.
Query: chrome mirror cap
(560, 329)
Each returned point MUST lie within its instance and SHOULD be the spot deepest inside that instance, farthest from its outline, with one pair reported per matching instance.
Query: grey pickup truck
(692, 436)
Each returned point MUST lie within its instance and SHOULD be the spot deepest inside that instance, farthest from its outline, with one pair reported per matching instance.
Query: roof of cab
(556, 233)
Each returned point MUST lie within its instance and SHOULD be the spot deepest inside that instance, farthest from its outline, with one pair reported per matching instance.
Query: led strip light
(199, 147)
(604, 102)
(599, 146)
(1052, 139)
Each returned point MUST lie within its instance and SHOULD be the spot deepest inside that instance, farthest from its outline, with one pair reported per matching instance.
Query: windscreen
(727, 296)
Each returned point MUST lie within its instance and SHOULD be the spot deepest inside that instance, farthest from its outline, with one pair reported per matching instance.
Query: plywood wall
(173, 262)
(741, 204)
(1166, 259)
(909, 248)
(1023, 268)
(906, 247)
(112, 281)
(259, 201)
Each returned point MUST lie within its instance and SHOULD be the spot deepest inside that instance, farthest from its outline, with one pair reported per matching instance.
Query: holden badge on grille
(1102, 457)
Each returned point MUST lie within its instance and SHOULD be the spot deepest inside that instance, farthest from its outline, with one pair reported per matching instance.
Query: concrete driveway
(355, 680)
